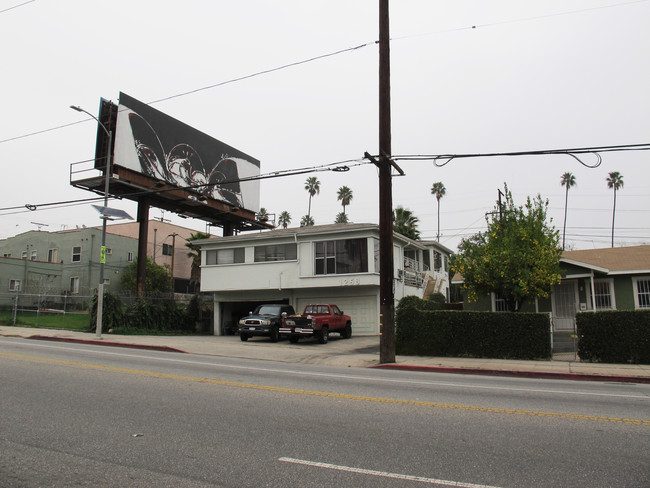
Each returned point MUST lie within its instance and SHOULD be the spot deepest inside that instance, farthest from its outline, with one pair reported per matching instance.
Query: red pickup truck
(317, 320)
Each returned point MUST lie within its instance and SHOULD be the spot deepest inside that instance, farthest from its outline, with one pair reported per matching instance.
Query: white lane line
(336, 376)
(384, 474)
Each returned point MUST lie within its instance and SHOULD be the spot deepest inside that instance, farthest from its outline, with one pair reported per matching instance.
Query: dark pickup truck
(317, 320)
(265, 320)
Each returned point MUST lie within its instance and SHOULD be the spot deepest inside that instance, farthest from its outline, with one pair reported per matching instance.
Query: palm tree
(615, 181)
(263, 215)
(284, 219)
(439, 190)
(306, 221)
(195, 254)
(567, 181)
(341, 218)
(312, 185)
(345, 196)
(405, 223)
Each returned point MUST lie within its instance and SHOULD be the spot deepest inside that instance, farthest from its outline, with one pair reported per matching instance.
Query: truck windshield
(268, 310)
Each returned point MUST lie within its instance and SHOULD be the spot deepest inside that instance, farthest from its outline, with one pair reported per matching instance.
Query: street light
(102, 259)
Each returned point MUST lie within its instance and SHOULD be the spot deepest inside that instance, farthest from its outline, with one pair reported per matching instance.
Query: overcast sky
(466, 77)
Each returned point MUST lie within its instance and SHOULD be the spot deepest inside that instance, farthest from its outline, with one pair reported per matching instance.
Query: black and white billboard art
(161, 147)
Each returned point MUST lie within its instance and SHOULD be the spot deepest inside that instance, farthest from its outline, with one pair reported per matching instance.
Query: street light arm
(79, 109)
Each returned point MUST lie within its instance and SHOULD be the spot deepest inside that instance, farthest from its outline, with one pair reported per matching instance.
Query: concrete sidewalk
(354, 352)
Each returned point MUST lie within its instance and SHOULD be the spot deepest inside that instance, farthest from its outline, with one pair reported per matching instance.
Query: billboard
(160, 147)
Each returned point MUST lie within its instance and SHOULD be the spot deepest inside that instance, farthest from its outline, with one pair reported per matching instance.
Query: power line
(595, 150)
(16, 6)
(337, 167)
(215, 85)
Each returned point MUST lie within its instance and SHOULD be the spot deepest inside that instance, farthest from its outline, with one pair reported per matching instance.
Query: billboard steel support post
(102, 251)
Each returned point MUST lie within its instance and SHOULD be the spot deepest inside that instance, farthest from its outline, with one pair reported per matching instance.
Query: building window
(167, 249)
(23, 255)
(437, 261)
(499, 303)
(341, 257)
(642, 292)
(33, 255)
(279, 252)
(76, 254)
(129, 257)
(52, 255)
(426, 259)
(225, 256)
(603, 295)
(14, 285)
(108, 250)
(107, 281)
(74, 285)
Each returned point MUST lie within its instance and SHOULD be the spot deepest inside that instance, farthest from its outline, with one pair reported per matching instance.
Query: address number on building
(350, 282)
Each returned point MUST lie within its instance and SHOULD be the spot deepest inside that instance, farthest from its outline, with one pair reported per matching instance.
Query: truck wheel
(323, 335)
(275, 334)
(294, 339)
(347, 331)
(243, 337)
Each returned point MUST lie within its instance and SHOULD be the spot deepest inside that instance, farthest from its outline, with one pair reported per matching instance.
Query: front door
(564, 305)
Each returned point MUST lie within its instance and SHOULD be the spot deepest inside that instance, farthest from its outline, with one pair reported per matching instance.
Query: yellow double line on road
(532, 413)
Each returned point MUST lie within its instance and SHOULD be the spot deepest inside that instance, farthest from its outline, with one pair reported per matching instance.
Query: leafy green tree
(615, 181)
(306, 221)
(517, 257)
(194, 254)
(312, 185)
(406, 223)
(567, 181)
(439, 190)
(344, 195)
(157, 277)
(284, 219)
(341, 218)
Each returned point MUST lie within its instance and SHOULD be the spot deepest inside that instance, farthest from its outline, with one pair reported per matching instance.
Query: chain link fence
(74, 312)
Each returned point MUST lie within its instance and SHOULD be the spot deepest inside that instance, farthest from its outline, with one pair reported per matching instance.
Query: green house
(592, 279)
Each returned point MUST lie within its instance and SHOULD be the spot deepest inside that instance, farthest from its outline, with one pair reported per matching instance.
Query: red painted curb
(521, 374)
(106, 343)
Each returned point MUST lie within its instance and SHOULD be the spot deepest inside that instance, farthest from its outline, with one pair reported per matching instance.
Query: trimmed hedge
(424, 330)
(614, 336)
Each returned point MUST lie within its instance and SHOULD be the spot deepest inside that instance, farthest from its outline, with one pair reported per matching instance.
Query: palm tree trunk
(309, 210)
(613, 216)
(438, 236)
(566, 201)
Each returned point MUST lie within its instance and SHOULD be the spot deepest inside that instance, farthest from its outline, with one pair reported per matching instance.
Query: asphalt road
(81, 415)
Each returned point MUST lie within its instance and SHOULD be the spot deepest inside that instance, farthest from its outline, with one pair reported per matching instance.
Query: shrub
(614, 336)
(112, 315)
(426, 331)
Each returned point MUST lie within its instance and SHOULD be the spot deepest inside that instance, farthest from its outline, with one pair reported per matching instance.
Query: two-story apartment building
(336, 263)
(67, 261)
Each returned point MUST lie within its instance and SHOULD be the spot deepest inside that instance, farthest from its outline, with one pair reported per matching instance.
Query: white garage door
(363, 310)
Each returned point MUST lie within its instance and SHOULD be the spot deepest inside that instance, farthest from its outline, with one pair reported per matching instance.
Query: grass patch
(68, 321)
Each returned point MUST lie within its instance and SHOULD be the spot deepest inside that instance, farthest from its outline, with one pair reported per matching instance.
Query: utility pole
(173, 254)
(386, 293)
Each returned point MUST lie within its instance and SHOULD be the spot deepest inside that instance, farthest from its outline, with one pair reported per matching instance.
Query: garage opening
(231, 312)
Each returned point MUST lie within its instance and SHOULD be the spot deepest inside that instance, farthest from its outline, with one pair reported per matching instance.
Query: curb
(520, 374)
(105, 343)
